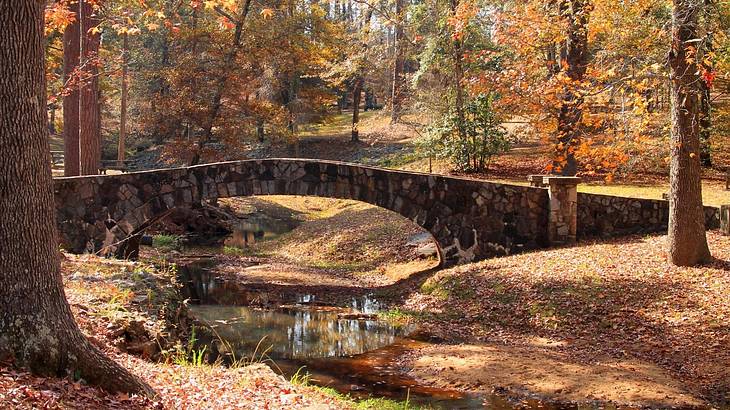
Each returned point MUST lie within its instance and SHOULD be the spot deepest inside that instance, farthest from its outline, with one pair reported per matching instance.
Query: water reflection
(296, 333)
(257, 228)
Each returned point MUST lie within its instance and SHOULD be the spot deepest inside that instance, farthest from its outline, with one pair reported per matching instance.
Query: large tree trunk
(687, 238)
(575, 61)
(89, 113)
(37, 328)
(399, 79)
(123, 109)
(71, 51)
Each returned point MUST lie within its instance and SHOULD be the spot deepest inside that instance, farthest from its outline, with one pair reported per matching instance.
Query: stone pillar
(563, 221)
(537, 181)
(725, 219)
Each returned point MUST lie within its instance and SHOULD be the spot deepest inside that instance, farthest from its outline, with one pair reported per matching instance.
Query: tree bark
(705, 127)
(399, 80)
(37, 329)
(360, 75)
(123, 109)
(687, 239)
(356, 96)
(706, 106)
(89, 113)
(71, 52)
(574, 58)
(457, 55)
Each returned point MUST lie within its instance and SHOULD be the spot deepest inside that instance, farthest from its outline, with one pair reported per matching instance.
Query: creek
(330, 335)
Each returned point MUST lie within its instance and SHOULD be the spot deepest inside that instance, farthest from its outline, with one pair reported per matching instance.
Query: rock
(145, 349)
(427, 251)
(357, 316)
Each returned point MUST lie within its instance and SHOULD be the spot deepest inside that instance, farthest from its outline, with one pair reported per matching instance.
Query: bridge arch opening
(297, 239)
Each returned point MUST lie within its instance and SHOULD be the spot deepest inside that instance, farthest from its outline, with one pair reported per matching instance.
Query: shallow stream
(331, 335)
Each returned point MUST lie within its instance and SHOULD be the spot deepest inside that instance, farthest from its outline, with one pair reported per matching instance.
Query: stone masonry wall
(604, 215)
(469, 219)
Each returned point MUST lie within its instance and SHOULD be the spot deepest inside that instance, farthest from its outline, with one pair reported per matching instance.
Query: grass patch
(166, 241)
(335, 125)
(399, 317)
(187, 355)
(373, 403)
(446, 287)
(395, 160)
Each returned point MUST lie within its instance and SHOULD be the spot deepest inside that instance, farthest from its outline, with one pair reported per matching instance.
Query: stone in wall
(605, 215)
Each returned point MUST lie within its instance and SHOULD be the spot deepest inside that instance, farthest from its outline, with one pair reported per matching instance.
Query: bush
(482, 137)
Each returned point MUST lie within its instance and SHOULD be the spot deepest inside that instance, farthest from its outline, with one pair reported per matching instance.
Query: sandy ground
(547, 373)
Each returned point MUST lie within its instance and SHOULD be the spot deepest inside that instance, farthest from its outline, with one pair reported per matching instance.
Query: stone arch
(469, 219)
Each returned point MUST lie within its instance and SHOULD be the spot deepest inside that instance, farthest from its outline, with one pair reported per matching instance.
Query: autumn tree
(687, 240)
(37, 329)
(574, 61)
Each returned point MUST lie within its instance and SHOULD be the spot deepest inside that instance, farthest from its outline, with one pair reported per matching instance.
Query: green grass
(187, 355)
(166, 241)
(396, 160)
(373, 403)
(303, 378)
(300, 378)
(397, 316)
(335, 125)
(446, 287)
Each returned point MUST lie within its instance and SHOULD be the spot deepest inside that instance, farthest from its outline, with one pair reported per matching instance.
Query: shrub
(470, 145)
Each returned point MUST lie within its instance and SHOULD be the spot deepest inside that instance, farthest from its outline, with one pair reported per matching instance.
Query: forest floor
(129, 310)
(610, 321)
(601, 322)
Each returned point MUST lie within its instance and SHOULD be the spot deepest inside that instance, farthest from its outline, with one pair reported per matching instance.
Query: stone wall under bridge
(470, 219)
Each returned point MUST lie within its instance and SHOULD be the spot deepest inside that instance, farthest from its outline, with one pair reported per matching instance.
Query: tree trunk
(260, 130)
(89, 115)
(706, 106)
(399, 80)
(123, 115)
(52, 119)
(457, 55)
(71, 50)
(575, 60)
(705, 126)
(360, 80)
(687, 240)
(37, 329)
(356, 95)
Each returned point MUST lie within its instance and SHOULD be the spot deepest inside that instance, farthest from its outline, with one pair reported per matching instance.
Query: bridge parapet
(470, 219)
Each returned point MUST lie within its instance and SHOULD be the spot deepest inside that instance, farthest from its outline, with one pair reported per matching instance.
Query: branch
(225, 14)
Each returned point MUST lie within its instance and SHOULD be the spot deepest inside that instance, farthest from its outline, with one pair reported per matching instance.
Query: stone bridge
(470, 219)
